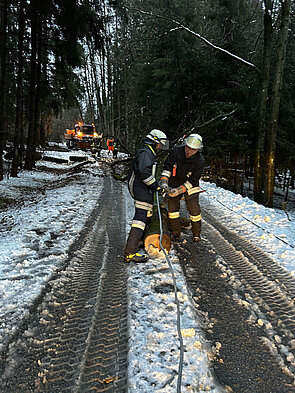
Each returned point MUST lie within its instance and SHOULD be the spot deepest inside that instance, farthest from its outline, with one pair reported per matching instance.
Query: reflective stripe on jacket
(142, 175)
(182, 171)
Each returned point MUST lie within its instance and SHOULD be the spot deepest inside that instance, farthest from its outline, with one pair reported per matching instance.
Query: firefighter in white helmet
(180, 175)
(142, 183)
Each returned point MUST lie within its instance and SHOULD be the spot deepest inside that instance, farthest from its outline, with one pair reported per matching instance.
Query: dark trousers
(138, 226)
(193, 207)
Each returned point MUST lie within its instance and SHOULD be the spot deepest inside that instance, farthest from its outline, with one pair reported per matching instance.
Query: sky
(37, 232)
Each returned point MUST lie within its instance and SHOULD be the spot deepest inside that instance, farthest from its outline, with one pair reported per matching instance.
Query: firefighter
(96, 146)
(180, 176)
(110, 145)
(116, 147)
(141, 184)
(99, 140)
(93, 148)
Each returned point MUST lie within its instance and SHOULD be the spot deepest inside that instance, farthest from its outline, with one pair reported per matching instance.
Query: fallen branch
(120, 169)
(222, 116)
(207, 42)
(215, 119)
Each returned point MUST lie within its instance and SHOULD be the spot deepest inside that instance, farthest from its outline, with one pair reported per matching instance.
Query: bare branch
(222, 117)
(193, 128)
(207, 42)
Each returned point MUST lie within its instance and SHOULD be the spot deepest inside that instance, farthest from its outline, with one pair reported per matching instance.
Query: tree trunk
(286, 178)
(38, 81)
(96, 88)
(262, 104)
(87, 83)
(19, 93)
(275, 104)
(287, 188)
(3, 79)
(31, 140)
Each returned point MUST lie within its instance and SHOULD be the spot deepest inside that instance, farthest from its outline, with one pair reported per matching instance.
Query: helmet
(194, 141)
(157, 136)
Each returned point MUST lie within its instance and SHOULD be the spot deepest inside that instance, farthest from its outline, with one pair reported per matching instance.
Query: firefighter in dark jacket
(116, 147)
(180, 175)
(142, 183)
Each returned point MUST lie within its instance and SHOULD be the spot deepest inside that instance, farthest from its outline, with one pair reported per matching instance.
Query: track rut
(246, 301)
(77, 338)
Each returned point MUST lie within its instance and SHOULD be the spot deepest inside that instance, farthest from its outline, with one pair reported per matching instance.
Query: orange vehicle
(81, 137)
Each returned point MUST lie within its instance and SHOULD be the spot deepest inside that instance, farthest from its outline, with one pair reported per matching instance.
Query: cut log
(57, 160)
(152, 234)
(78, 158)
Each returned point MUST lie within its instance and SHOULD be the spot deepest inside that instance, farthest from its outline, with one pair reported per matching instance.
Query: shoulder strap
(151, 149)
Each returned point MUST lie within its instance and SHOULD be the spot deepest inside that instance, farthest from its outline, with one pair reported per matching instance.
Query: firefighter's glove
(164, 184)
(177, 191)
(161, 191)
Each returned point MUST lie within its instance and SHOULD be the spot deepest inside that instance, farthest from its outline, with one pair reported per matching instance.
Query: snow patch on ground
(270, 229)
(154, 343)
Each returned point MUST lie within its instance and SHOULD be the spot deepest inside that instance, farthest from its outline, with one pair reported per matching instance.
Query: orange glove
(177, 191)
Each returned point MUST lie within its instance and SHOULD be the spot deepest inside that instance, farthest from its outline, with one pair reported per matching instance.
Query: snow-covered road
(36, 236)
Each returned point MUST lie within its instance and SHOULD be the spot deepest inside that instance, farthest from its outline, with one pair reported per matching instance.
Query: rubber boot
(137, 257)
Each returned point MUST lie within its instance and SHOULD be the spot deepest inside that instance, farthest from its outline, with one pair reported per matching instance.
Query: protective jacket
(182, 171)
(110, 142)
(141, 178)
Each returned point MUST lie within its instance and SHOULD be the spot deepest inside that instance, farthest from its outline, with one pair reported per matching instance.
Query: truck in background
(82, 136)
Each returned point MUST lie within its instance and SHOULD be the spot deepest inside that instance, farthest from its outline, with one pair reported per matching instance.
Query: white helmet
(158, 136)
(194, 141)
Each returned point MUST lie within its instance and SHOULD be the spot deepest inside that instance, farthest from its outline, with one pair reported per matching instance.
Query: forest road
(76, 337)
(246, 303)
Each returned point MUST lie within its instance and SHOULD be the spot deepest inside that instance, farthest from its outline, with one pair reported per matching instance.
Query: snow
(154, 333)
(272, 230)
(154, 343)
(35, 238)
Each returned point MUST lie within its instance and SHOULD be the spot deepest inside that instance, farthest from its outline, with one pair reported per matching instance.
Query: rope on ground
(258, 226)
(180, 365)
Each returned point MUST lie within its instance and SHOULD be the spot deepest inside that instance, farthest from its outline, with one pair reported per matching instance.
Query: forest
(220, 68)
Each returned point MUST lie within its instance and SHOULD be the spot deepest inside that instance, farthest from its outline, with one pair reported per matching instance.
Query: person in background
(96, 146)
(99, 140)
(116, 147)
(110, 145)
(180, 177)
(141, 184)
